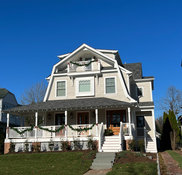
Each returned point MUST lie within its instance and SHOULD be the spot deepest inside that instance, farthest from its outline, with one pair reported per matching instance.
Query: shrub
(108, 132)
(137, 145)
(65, 146)
(77, 145)
(2, 137)
(26, 146)
(12, 147)
(92, 145)
(36, 148)
(51, 146)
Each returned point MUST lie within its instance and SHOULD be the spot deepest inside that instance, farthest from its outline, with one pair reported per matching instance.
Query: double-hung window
(110, 85)
(61, 89)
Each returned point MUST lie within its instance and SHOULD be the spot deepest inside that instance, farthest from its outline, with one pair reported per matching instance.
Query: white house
(90, 90)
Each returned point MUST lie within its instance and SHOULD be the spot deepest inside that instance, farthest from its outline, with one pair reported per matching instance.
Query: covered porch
(67, 120)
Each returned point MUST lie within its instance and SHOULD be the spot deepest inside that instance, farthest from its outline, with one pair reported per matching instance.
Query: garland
(49, 130)
(85, 64)
(22, 132)
(81, 129)
(56, 130)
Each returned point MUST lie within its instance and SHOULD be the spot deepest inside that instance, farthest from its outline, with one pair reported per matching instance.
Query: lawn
(64, 163)
(129, 163)
(176, 157)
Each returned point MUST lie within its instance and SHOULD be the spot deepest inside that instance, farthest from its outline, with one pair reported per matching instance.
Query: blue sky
(33, 33)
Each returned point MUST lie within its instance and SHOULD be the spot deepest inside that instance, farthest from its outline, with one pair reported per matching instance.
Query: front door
(114, 118)
(83, 118)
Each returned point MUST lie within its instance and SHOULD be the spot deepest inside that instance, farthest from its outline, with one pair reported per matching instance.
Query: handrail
(121, 136)
(100, 136)
(145, 138)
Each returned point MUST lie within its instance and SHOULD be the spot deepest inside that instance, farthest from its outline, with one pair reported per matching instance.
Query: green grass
(138, 168)
(64, 163)
(176, 157)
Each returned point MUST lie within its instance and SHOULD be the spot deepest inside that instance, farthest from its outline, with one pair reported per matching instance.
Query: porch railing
(101, 136)
(126, 129)
(41, 133)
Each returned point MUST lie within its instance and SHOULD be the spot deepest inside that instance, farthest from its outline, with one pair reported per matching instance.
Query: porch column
(129, 120)
(66, 122)
(36, 123)
(7, 126)
(96, 121)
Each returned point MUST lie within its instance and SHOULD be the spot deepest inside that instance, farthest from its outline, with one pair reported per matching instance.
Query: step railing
(101, 135)
(121, 136)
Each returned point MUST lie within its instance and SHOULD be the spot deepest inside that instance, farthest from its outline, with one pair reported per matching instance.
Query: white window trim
(65, 89)
(137, 91)
(105, 85)
(92, 87)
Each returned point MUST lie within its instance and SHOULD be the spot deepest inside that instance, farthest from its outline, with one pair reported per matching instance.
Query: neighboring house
(90, 90)
(7, 100)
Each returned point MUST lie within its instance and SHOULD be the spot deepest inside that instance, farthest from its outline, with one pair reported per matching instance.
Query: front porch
(55, 125)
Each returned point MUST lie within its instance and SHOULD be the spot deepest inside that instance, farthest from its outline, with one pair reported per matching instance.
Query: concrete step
(100, 160)
(103, 167)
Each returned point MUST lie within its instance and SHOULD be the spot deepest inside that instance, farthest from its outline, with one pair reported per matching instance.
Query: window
(139, 92)
(59, 119)
(84, 86)
(110, 85)
(61, 88)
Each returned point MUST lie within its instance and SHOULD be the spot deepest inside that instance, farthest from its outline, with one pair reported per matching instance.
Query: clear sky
(33, 33)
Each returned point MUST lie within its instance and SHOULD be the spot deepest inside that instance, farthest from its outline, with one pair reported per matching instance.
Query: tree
(159, 124)
(35, 94)
(172, 101)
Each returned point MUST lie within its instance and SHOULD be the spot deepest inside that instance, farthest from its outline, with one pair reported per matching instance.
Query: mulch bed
(130, 157)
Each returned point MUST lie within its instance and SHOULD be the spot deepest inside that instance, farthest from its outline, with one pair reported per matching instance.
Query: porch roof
(70, 104)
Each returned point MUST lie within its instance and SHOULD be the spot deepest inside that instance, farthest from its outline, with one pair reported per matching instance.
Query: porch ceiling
(70, 104)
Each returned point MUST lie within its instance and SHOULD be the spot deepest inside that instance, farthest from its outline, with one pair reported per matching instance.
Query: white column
(66, 122)
(96, 121)
(7, 126)
(154, 130)
(36, 123)
(129, 120)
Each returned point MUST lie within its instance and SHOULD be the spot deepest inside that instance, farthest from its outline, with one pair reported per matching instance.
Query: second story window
(84, 86)
(110, 86)
(61, 88)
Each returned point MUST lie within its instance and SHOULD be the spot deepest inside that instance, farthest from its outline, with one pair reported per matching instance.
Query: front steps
(103, 161)
(111, 144)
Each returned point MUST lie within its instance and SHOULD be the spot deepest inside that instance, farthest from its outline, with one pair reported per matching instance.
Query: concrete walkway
(102, 164)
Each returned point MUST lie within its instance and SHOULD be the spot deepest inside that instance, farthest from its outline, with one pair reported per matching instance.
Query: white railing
(15, 134)
(101, 134)
(75, 68)
(121, 136)
(127, 127)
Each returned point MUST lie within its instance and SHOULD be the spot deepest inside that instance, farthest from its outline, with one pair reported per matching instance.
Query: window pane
(84, 86)
(61, 88)
(110, 85)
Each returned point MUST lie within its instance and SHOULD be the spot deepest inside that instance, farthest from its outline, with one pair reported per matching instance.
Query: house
(7, 100)
(89, 90)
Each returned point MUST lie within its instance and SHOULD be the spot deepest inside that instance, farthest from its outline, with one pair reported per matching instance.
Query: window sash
(61, 88)
(84, 86)
(110, 85)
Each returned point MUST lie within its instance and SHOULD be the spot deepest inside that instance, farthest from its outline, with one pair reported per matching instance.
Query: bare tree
(34, 94)
(172, 101)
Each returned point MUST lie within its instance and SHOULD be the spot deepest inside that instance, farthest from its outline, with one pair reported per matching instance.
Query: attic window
(139, 91)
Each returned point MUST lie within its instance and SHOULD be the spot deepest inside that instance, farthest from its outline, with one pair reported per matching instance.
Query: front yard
(73, 163)
(130, 163)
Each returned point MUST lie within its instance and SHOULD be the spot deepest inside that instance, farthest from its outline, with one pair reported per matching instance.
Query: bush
(51, 146)
(92, 145)
(65, 146)
(108, 132)
(77, 145)
(137, 145)
(12, 148)
(36, 148)
(26, 146)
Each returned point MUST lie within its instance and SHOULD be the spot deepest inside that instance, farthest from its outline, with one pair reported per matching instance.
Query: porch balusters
(7, 127)
(129, 120)
(66, 122)
(96, 121)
